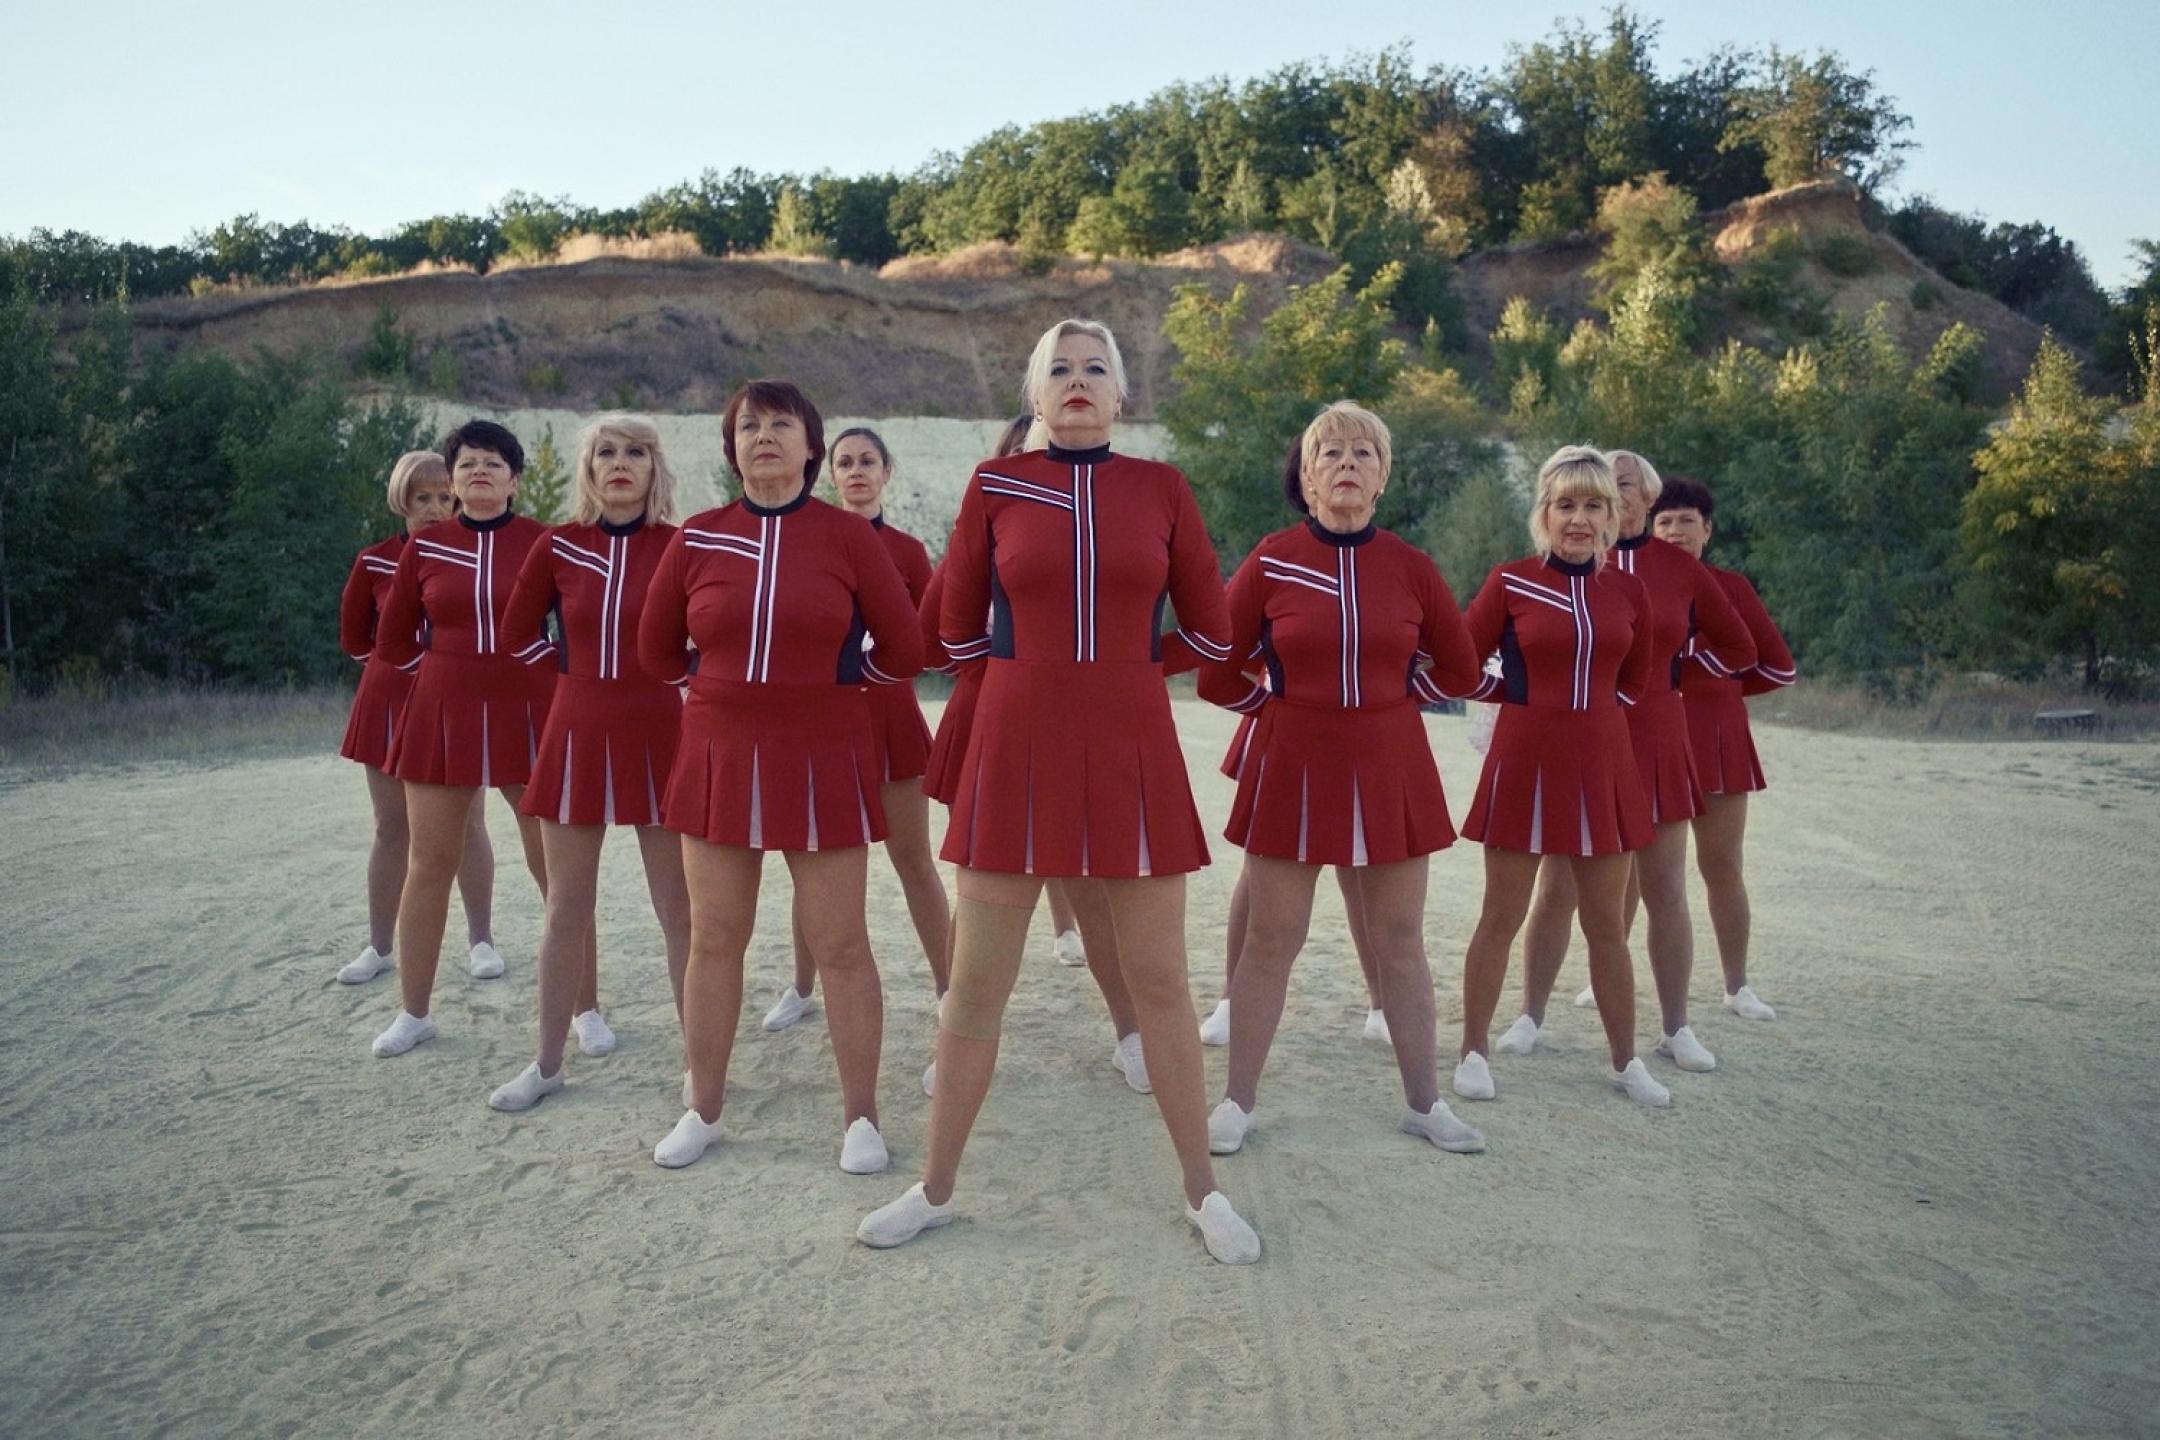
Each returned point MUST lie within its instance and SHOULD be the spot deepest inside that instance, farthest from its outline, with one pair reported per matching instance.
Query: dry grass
(58, 734)
(1960, 708)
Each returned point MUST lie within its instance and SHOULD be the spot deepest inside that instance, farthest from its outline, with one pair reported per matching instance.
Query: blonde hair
(1652, 484)
(637, 430)
(1345, 420)
(1037, 377)
(1575, 472)
(413, 467)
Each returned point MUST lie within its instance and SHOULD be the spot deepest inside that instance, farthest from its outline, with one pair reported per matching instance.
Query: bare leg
(1545, 945)
(1392, 898)
(829, 886)
(386, 858)
(529, 837)
(1360, 937)
(1150, 918)
(1089, 908)
(662, 854)
(722, 882)
(1720, 842)
(436, 816)
(1509, 877)
(805, 962)
(907, 846)
(1662, 869)
(1234, 939)
(1061, 908)
(990, 927)
(573, 863)
(588, 987)
(1601, 880)
(1279, 913)
(476, 877)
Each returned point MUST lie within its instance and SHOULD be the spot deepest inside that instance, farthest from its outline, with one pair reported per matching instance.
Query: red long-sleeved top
(1689, 610)
(1569, 637)
(1773, 668)
(367, 591)
(595, 577)
(457, 575)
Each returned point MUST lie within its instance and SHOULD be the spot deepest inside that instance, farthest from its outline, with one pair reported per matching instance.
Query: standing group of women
(742, 684)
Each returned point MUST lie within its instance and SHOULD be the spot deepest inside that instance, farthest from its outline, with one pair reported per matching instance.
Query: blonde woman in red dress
(419, 495)
(1059, 570)
(611, 733)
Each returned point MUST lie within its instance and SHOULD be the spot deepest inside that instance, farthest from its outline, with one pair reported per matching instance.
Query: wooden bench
(2064, 722)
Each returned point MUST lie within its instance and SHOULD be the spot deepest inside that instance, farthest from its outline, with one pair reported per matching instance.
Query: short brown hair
(1684, 493)
(775, 397)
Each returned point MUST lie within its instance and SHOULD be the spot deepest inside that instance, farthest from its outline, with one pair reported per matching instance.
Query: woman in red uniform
(777, 594)
(861, 469)
(1339, 771)
(476, 710)
(1717, 722)
(1689, 609)
(1575, 638)
(611, 732)
(420, 496)
(1058, 570)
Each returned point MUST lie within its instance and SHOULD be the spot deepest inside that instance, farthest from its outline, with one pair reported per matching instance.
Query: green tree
(388, 353)
(1648, 224)
(544, 493)
(793, 232)
(1814, 117)
(29, 437)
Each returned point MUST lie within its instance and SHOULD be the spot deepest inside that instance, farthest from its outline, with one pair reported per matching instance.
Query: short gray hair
(1653, 485)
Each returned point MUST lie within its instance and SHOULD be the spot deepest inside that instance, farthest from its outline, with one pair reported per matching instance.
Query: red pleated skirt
(1663, 758)
(1327, 786)
(606, 753)
(1560, 782)
(377, 707)
(472, 720)
(1233, 760)
(941, 770)
(898, 731)
(775, 767)
(1724, 743)
(1075, 769)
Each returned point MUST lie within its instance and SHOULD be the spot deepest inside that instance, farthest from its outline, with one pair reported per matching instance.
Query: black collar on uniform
(793, 505)
(1093, 455)
(1634, 542)
(1335, 537)
(628, 527)
(1570, 567)
(877, 521)
(483, 525)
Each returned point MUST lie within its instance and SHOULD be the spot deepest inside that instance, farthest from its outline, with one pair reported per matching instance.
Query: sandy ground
(1919, 1204)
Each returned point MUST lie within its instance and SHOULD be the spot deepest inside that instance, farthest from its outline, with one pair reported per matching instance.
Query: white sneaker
(528, 1090)
(1743, 1002)
(1588, 999)
(902, 1220)
(1068, 949)
(1440, 1126)
(1229, 1239)
(373, 962)
(405, 1032)
(487, 962)
(1227, 1126)
(686, 1142)
(1376, 1027)
(929, 1079)
(1132, 1063)
(1473, 1078)
(790, 1008)
(1215, 1030)
(1639, 1085)
(1520, 1038)
(862, 1149)
(1683, 1049)
(593, 1035)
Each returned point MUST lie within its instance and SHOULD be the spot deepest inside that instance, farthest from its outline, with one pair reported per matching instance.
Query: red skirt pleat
(377, 707)
(898, 731)
(1233, 760)
(1560, 782)
(941, 770)
(1663, 759)
(1723, 741)
(606, 753)
(1328, 786)
(472, 720)
(775, 767)
(1075, 769)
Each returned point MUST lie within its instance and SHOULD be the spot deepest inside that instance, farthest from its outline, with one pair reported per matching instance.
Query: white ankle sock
(790, 1008)
(1639, 1085)
(862, 1149)
(929, 1079)
(593, 1035)
(686, 1142)
(1376, 1027)
(1473, 1078)
(1229, 1239)
(1683, 1049)
(1131, 1062)
(372, 962)
(1743, 1002)
(902, 1220)
(487, 962)
(1068, 948)
(1227, 1126)
(405, 1032)
(528, 1090)
(1440, 1126)
(1215, 1030)
(1520, 1038)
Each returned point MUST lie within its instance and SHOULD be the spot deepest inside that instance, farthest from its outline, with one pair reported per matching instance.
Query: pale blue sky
(150, 120)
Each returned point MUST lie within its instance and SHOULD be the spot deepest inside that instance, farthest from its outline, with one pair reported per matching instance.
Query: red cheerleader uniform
(941, 772)
(776, 749)
(380, 700)
(897, 726)
(1059, 568)
(611, 733)
(1339, 770)
(1575, 645)
(1717, 712)
(1688, 611)
(476, 709)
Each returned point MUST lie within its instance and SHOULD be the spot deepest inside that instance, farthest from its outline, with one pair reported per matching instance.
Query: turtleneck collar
(1571, 567)
(877, 521)
(1633, 542)
(485, 525)
(801, 499)
(629, 527)
(1335, 537)
(1093, 455)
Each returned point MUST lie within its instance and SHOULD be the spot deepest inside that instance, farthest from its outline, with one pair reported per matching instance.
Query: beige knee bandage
(987, 943)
